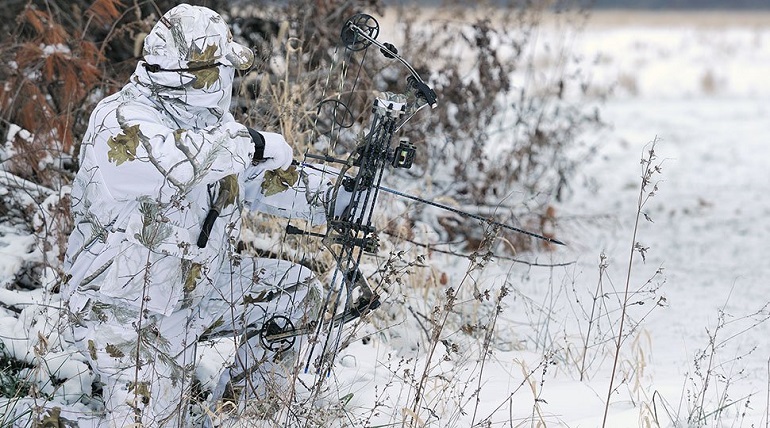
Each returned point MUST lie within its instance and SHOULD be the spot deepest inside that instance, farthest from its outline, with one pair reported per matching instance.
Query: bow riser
(353, 231)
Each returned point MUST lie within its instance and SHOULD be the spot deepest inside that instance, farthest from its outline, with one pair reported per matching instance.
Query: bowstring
(328, 343)
(300, 257)
(335, 136)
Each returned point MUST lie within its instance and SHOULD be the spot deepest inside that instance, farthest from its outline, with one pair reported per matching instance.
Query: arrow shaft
(470, 215)
(451, 209)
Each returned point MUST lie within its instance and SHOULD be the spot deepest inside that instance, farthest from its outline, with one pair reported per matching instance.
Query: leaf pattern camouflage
(205, 77)
(278, 181)
(123, 146)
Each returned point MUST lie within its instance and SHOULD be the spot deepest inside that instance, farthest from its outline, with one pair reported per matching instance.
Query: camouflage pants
(148, 363)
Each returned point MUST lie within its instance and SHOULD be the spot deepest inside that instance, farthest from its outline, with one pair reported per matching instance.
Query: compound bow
(350, 235)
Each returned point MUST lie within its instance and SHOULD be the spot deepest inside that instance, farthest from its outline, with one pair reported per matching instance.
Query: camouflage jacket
(156, 156)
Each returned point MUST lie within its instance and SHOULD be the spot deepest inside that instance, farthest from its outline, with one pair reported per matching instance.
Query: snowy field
(703, 91)
(700, 86)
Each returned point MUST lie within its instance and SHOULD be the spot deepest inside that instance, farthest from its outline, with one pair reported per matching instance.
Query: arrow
(438, 205)
(469, 215)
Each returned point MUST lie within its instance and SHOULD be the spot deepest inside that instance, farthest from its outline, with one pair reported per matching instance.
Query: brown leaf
(92, 349)
(192, 277)
(52, 420)
(104, 11)
(231, 186)
(123, 146)
(206, 77)
(204, 57)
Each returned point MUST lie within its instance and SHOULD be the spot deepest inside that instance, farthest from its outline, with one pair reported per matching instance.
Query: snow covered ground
(703, 91)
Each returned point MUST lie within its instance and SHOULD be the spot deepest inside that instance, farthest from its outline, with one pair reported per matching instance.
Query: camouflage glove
(270, 150)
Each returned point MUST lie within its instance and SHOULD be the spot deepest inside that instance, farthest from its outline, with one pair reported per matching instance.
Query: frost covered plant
(709, 382)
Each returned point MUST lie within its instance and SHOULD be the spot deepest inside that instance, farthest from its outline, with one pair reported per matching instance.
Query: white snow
(58, 48)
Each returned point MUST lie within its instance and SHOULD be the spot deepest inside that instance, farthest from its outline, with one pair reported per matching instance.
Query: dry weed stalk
(440, 318)
(712, 376)
(647, 190)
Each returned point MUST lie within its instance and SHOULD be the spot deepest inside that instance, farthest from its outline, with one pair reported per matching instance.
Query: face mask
(197, 98)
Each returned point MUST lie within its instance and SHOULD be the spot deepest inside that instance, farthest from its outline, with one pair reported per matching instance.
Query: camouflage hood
(189, 65)
(190, 36)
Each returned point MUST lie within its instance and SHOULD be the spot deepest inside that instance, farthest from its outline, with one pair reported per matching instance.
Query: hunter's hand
(270, 150)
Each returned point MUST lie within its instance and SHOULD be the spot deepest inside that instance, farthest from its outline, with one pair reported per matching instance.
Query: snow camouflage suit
(157, 155)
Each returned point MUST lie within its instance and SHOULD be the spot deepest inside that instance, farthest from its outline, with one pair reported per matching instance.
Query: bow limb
(365, 27)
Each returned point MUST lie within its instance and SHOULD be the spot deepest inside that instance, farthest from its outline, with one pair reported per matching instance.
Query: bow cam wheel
(354, 28)
(271, 336)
